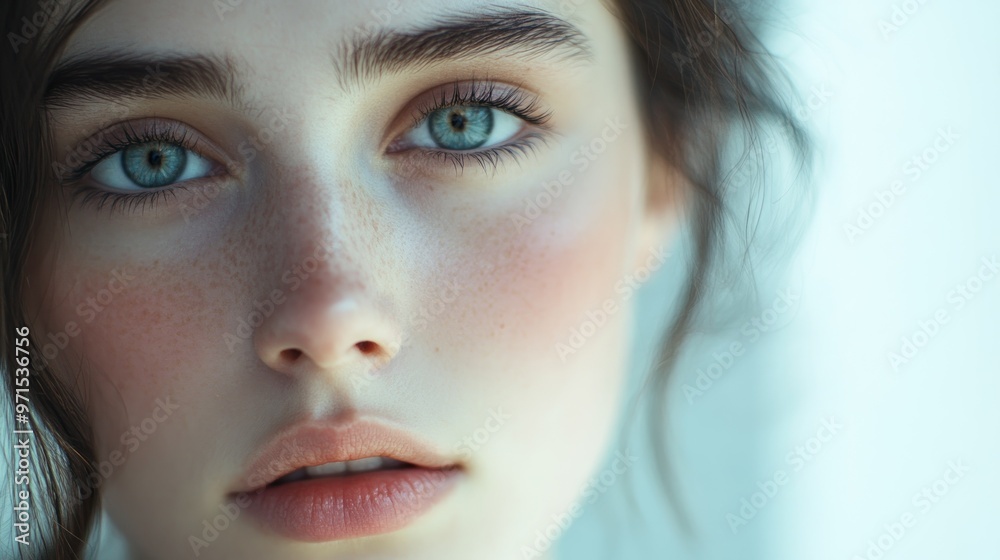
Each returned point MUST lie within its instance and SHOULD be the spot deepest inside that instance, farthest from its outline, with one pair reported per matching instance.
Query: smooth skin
(428, 307)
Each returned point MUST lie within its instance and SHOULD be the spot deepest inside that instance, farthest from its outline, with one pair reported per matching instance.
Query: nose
(325, 325)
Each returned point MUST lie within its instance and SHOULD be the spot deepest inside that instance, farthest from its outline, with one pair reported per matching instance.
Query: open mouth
(319, 482)
(342, 469)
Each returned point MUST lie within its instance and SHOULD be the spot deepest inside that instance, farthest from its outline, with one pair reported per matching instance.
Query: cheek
(539, 267)
(134, 332)
(530, 337)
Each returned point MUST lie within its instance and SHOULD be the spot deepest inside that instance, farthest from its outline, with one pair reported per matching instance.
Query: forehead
(276, 27)
(249, 51)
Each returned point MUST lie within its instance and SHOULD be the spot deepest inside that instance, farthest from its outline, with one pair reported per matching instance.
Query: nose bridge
(326, 227)
(325, 234)
(319, 192)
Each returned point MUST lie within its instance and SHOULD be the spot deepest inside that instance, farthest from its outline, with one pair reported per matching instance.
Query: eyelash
(514, 101)
(482, 93)
(475, 93)
(123, 137)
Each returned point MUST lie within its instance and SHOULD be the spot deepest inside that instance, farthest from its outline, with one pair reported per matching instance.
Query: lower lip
(345, 507)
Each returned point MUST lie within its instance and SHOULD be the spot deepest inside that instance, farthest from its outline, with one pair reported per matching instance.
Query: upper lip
(315, 443)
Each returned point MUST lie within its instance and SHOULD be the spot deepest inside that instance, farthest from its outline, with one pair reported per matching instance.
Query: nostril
(367, 347)
(291, 355)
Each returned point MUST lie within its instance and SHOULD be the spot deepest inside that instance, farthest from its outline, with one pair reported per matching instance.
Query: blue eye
(461, 128)
(465, 127)
(150, 165)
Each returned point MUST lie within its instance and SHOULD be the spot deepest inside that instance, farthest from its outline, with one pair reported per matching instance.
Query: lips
(316, 482)
(343, 468)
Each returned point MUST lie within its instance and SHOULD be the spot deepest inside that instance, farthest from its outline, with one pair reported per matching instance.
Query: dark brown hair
(706, 84)
(712, 95)
(62, 442)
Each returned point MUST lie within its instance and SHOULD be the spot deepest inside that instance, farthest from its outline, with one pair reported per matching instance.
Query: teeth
(364, 465)
(357, 466)
(327, 469)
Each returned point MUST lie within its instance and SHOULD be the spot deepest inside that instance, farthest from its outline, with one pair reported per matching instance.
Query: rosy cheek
(536, 279)
(136, 333)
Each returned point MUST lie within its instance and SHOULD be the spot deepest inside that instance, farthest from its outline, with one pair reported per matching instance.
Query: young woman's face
(272, 268)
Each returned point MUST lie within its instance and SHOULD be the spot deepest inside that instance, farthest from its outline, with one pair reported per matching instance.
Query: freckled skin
(390, 244)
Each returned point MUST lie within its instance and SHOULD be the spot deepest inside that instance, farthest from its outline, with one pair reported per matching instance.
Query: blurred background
(850, 411)
(861, 422)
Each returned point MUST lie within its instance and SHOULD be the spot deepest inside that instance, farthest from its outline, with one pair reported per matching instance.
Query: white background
(891, 93)
(901, 428)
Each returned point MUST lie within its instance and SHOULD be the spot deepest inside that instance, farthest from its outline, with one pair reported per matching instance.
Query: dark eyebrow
(527, 33)
(111, 76)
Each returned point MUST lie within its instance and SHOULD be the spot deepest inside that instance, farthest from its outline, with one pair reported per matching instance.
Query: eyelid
(488, 93)
(490, 159)
(484, 92)
(110, 140)
(87, 192)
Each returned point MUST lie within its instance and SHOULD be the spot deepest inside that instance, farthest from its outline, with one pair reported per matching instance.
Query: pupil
(155, 158)
(457, 121)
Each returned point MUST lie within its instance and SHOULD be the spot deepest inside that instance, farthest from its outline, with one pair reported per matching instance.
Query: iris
(153, 164)
(461, 128)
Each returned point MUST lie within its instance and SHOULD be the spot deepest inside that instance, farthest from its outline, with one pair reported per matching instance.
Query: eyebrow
(111, 77)
(528, 34)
